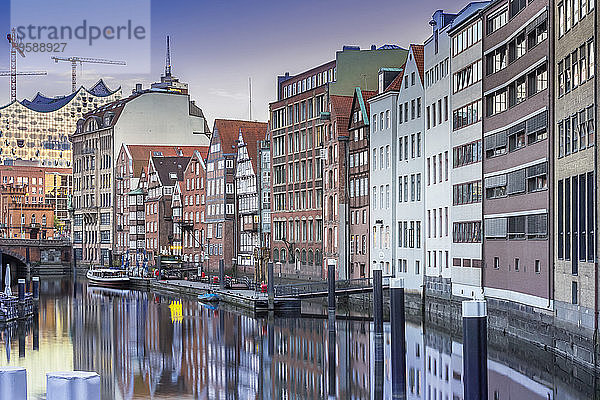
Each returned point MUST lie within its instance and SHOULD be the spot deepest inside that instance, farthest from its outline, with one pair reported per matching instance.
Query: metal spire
(168, 60)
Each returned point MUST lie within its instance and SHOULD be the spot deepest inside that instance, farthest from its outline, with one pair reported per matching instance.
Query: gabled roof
(418, 51)
(341, 105)
(169, 169)
(140, 153)
(250, 139)
(228, 131)
(361, 96)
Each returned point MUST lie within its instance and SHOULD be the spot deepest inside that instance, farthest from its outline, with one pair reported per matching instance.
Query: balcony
(325, 116)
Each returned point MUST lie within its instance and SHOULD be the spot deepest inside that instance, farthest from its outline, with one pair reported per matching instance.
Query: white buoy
(73, 385)
(13, 383)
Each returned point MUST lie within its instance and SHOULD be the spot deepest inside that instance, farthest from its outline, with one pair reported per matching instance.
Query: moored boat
(116, 278)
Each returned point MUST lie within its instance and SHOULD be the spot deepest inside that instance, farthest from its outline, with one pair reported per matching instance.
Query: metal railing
(305, 289)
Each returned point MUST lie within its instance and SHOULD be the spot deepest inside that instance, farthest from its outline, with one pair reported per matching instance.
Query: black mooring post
(397, 320)
(222, 274)
(36, 287)
(270, 286)
(378, 331)
(377, 301)
(474, 313)
(378, 368)
(331, 328)
(331, 292)
(28, 276)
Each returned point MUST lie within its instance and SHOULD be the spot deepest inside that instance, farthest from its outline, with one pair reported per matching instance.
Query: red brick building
(297, 133)
(336, 200)
(189, 224)
(221, 215)
(358, 184)
(23, 218)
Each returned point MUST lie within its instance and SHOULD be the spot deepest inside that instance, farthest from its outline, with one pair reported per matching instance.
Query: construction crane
(14, 49)
(81, 60)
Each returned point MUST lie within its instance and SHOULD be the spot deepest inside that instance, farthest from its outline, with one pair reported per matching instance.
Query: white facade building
(408, 181)
(466, 67)
(437, 183)
(382, 173)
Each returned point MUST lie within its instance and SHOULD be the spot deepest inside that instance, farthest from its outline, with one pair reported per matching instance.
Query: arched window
(318, 260)
(32, 218)
(283, 254)
(311, 259)
(297, 255)
(303, 256)
(44, 220)
(275, 255)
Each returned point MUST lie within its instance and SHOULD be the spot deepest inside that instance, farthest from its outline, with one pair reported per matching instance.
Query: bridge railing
(297, 289)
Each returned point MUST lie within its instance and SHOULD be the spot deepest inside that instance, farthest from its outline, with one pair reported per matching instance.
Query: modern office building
(38, 129)
(466, 70)
(574, 188)
(517, 158)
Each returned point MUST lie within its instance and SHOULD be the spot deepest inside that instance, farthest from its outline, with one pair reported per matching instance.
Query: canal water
(148, 346)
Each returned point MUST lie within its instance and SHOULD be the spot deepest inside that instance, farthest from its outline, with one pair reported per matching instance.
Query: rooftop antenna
(250, 91)
(168, 60)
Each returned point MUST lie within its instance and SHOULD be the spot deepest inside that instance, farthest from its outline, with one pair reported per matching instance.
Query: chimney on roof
(138, 88)
(287, 74)
(373, 47)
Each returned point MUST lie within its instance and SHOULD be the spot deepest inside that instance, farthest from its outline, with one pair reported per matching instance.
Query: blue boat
(208, 298)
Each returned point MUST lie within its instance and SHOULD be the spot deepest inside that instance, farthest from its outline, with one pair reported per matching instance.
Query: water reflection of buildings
(42, 344)
(149, 347)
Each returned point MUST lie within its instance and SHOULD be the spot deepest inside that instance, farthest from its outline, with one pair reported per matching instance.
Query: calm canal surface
(146, 346)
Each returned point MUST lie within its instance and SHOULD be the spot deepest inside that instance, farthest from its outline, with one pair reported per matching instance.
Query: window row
(570, 12)
(466, 115)
(415, 110)
(517, 91)
(437, 171)
(359, 187)
(436, 226)
(525, 180)
(576, 219)
(384, 200)
(466, 232)
(576, 68)
(576, 132)
(384, 158)
(517, 136)
(309, 83)
(415, 188)
(466, 154)
(409, 234)
(412, 149)
(437, 72)
(535, 33)
(533, 226)
(467, 76)
(436, 109)
(467, 193)
(466, 38)
(359, 159)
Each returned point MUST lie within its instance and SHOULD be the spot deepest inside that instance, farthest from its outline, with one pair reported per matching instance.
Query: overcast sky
(217, 45)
